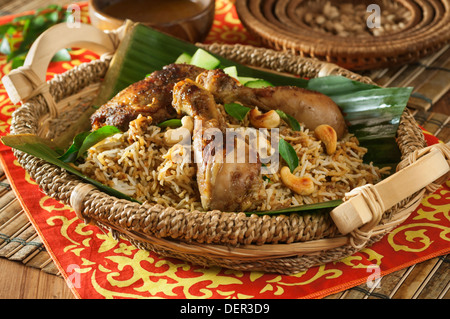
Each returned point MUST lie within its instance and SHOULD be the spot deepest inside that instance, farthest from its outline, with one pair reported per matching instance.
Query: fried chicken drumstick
(308, 107)
(223, 184)
(151, 96)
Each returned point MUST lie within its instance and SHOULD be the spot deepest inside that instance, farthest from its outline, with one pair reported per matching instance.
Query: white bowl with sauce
(190, 20)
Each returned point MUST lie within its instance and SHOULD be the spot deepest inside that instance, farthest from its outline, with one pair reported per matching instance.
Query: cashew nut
(174, 136)
(328, 136)
(300, 185)
(269, 119)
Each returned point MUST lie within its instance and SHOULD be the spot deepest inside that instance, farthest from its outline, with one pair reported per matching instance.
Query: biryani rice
(140, 164)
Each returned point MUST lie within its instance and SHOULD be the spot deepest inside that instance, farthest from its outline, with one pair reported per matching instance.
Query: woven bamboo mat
(18, 238)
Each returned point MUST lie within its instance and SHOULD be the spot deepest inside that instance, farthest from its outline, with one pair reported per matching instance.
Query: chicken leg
(151, 96)
(308, 107)
(224, 185)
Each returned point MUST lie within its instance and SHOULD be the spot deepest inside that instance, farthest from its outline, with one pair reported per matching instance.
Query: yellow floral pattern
(431, 221)
(116, 269)
(227, 28)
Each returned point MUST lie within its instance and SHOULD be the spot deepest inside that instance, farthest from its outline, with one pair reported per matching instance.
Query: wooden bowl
(285, 25)
(193, 28)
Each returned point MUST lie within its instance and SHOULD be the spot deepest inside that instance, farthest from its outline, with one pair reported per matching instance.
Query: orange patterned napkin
(97, 266)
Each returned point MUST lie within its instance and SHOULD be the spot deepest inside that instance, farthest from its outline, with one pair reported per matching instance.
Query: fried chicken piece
(308, 107)
(151, 96)
(223, 184)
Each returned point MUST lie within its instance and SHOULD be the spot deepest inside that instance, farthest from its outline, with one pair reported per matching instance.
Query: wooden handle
(19, 86)
(356, 212)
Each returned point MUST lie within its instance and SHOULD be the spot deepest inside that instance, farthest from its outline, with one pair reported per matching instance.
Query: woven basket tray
(284, 244)
(290, 25)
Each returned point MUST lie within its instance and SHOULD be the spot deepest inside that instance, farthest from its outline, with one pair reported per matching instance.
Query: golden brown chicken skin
(151, 96)
(308, 107)
(223, 184)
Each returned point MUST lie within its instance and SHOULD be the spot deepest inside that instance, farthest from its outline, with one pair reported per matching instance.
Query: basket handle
(29, 80)
(365, 205)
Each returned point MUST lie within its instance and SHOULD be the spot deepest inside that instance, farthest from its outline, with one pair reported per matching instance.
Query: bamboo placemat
(18, 239)
(426, 280)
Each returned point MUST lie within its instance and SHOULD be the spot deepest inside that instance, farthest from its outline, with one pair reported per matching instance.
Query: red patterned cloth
(97, 266)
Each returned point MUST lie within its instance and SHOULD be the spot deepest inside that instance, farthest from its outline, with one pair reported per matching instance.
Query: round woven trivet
(284, 244)
(290, 25)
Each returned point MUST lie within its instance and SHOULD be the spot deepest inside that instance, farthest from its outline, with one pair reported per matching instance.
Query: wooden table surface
(35, 277)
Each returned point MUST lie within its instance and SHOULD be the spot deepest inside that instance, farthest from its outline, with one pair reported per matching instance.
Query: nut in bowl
(188, 20)
(356, 18)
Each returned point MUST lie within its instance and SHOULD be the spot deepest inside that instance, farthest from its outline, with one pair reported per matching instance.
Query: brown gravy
(154, 11)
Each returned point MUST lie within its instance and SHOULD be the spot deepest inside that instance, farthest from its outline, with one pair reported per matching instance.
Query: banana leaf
(48, 151)
(372, 113)
(323, 207)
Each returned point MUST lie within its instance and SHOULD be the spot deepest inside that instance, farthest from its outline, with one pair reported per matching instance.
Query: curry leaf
(293, 123)
(72, 153)
(236, 110)
(83, 141)
(288, 153)
(172, 123)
